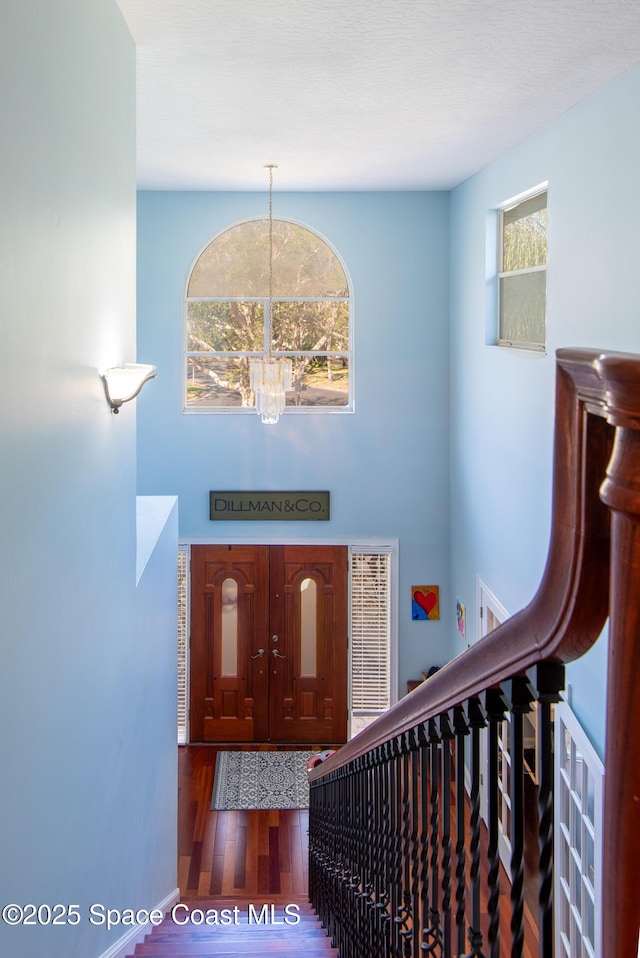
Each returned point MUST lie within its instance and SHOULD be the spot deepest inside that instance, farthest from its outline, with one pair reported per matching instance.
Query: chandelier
(270, 378)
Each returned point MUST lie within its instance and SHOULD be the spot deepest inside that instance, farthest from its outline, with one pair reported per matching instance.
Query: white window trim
(183, 675)
(486, 599)
(501, 210)
(289, 410)
(566, 719)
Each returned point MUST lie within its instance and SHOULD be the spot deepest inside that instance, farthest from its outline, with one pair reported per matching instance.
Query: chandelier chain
(271, 167)
(270, 236)
(270, 378)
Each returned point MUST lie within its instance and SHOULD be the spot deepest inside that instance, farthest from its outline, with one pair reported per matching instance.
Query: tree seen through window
(229, 320)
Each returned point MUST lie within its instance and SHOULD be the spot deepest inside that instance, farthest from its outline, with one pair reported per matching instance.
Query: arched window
(228, 319)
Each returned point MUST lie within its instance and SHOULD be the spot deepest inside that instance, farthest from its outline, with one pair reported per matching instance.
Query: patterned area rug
(248, 780)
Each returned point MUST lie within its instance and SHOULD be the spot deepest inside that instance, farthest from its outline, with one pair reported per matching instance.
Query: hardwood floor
(262, 855)
(235, 854)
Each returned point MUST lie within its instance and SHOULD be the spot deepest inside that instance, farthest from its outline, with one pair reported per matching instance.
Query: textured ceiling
(359, 94)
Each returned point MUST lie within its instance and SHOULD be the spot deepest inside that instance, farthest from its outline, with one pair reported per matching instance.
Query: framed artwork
(425, 602)
(461, 613)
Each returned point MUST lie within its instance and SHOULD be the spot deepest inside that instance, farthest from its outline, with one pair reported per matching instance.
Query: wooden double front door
(268, 644)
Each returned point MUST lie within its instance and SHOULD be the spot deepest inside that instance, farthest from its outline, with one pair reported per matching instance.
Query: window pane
(310, 326)
(319, 381)
(589, 923)
(565, 759)
(591, 795)
(565, 861)
(577, 771)
(218, 381)
(233, 327)
(576, 827)
(236, 263)
(525, 234)
(308, 623)
(523, 302)
(564, 803)
(229, 629)
(589, 858)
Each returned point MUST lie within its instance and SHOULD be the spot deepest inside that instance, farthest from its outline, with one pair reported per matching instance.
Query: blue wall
(386, 465)
(502, 400)
(81, 682)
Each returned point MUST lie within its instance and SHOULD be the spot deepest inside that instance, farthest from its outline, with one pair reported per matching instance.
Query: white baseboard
(126, 945)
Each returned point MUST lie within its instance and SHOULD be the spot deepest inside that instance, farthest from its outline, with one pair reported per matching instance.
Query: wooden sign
(260, 506)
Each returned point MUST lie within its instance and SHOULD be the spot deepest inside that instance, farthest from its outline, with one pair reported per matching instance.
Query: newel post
(621, 493)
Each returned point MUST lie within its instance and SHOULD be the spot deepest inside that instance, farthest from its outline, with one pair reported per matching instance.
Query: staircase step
(237, 931)
(211, 950)
(171, 939)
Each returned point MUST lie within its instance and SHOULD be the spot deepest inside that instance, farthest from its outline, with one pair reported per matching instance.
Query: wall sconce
(122, 383)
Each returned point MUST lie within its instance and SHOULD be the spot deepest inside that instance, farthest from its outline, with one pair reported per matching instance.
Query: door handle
(259, 654)
(277, 655)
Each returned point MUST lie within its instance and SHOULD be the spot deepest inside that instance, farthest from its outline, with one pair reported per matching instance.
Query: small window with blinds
(522, 273)
(183, 619)
(370, 632)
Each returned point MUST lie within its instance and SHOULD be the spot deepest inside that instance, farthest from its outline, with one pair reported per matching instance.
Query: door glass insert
(229, 627)
(308, 627)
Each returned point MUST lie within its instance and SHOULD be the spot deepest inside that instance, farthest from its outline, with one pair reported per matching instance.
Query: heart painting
(425, 602)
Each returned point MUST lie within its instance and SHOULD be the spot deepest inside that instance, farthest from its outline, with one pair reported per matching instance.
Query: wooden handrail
(569, 610)
(594, 553)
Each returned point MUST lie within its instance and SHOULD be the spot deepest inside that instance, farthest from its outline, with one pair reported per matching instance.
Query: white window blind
(183, 580)
(370, 631)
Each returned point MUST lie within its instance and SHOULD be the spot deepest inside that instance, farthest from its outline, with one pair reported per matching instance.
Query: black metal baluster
(363, 852)
(332, 862)
(314, 815)
(387, 825)
(519, 696)
(321, 845)
(347, 913)
(476, 715)
(396, 869)
(405, 912)
(313, 820)
(341, 865)
(495, 706)
(349, 929)
(374, 813)
(354, 873)
(368, 840)
(336, 869)
(415, 837)
(461, 728)
(423, 742)
(548, 679)
(432, 943)
(378, 854)
(352, 927)
(327, 856)
(446, 734)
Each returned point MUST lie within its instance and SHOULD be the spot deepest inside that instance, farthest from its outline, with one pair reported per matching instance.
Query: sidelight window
(370, 634)
(229, 629)
(308, 627)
